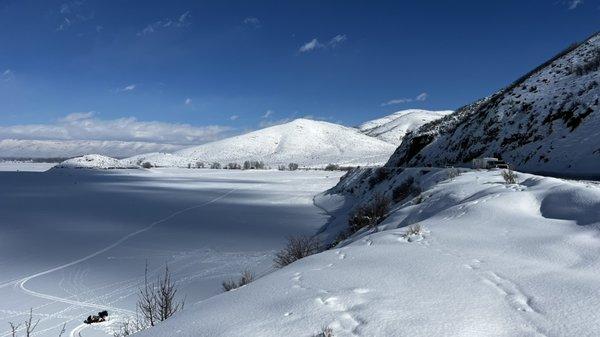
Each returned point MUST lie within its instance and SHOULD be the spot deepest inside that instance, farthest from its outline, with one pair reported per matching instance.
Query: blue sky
(228, 66)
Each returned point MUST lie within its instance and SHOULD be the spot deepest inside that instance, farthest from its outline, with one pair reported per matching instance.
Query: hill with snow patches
(547, 121)
(303, 141)
(394, 127)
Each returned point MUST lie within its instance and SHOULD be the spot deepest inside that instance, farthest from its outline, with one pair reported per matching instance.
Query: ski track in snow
(21, 283)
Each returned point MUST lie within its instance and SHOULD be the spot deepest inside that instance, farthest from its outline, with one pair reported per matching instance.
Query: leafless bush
(234, 166)
(332, 167)
(292, 166)
(296, 248)
(199, 164)
(215, 166)
(416, 229)
(369, 215)
(29, 326)
(129, 327)
(246, 278)
(156, 301)
(510, 177)
(325, 332)
(147, 165)
(453, 173)
(405, 189)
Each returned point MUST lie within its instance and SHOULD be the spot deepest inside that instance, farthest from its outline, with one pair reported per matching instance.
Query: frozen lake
(73, 242)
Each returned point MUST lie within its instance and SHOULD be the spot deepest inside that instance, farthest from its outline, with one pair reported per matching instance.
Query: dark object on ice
(101, 317)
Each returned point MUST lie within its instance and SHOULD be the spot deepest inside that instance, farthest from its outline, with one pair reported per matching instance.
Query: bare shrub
(234, 166)
(292, 166)
(156, 301)
(296, 248)
(416, 229)
(129, 327)
(215, 166)
(381, 174)
(325, 332)
(453, 173)
(246, 278)
(332, 167)
(199, 164)
(510, 177)
(405, 189)
(282, 167)
(369, 215)
(29, 326)
(147, 165)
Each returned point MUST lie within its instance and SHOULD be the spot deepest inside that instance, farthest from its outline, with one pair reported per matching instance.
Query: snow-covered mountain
(303, 141)
(392, 128)
(546, 121)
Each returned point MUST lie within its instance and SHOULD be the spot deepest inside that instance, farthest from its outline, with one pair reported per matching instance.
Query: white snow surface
(74, 242)
(306, 142)
(93, 161)
(493, 260)
(392, 128)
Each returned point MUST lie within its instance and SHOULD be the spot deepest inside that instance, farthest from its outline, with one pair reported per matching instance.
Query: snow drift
(491, 260)
(547, 121)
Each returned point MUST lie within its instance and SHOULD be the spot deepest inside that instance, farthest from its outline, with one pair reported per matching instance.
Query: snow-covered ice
(73, 242)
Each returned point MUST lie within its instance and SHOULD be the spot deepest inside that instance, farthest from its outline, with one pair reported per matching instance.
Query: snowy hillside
(303, 141)
(93, 161)
(546, 121)
(392, 128)
(492, 259)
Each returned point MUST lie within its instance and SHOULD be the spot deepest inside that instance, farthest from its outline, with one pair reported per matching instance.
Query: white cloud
(310, 46)
(315, 44)
(182, 21)
(72, 13)
(188, 101)
(234, 117)
(420, 98)
(252, 21)
(268, 114)
(336, 40)
(130, 87)
(7, 75)
(86, 126)
(575, 3)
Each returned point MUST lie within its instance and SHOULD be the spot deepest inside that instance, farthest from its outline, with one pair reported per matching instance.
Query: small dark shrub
(199, 164)
(147, 165)
(325, 332)
(296, 248)
(281, 167)
(332, 167)
(246, 278)
(590, 65)
(380, 175)
(402, 191)
(234, 166)
(215, 166)
(369, 215)
(510, 177)
(293, 166)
